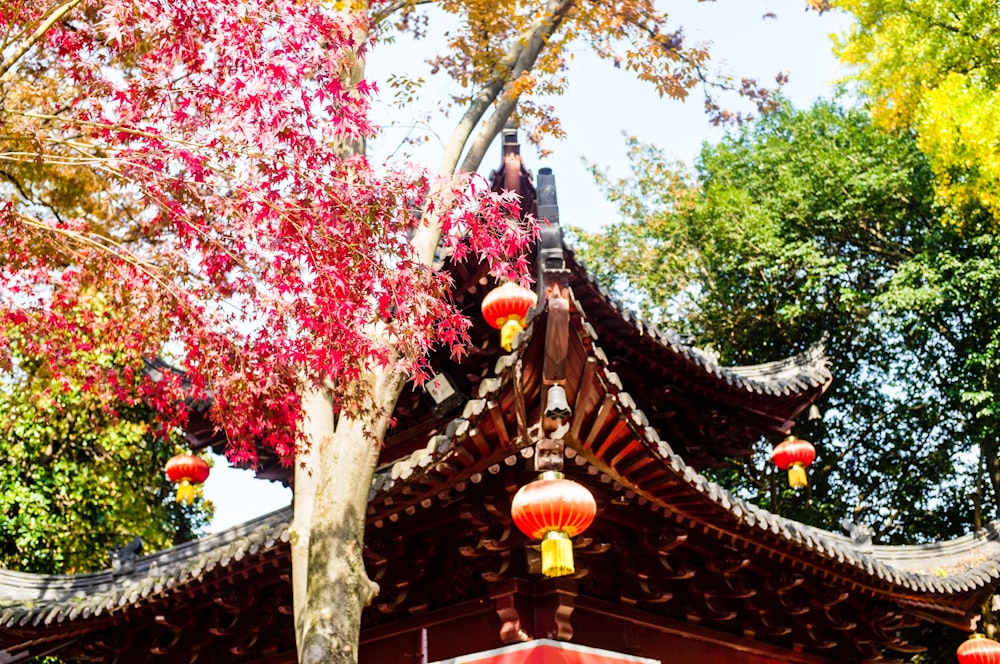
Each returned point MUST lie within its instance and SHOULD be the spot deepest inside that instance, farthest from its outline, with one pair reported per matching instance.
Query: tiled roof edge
(387, 475)
(927, 568)
(30, 599)
(798, 373)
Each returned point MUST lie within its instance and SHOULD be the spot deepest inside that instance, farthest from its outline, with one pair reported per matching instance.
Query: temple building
(673, 568)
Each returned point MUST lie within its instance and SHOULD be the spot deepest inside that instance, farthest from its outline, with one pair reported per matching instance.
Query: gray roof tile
(783, 377)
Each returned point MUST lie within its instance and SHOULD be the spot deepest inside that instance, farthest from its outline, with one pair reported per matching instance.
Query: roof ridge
(26, 586)
(797, 373)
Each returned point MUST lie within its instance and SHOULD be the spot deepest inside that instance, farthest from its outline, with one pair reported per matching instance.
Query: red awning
(544, 651)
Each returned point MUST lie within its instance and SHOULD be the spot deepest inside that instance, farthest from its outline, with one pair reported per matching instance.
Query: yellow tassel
(185, 493)
(557, 554)
(508, 332)
(797, 476)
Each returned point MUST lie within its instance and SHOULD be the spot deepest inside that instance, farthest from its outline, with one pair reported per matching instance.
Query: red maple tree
(225, 226)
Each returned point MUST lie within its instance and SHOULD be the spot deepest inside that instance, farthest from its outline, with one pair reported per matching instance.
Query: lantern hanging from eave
(554, 509)
(794, 455)
(979, 650)
(187, 471)
(506, 308)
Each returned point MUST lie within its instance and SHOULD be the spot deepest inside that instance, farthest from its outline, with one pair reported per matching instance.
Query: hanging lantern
(554, 509)
(186, 471)
(506, 307)
(794, 455)
(979, 650)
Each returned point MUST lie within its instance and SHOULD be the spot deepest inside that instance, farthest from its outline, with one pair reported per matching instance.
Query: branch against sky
(487, 52)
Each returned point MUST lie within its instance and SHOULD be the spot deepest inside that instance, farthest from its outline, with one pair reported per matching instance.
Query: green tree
(816, 225)
(81, 479)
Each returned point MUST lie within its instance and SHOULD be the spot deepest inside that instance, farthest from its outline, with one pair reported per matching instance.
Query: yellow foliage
(930, 66)
(957, 129)
(486, 44)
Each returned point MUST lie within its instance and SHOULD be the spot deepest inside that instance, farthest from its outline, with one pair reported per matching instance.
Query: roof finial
(512, 175)
(510, 142)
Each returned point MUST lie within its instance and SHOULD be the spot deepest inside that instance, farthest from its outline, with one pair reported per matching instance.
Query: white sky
(601, 105)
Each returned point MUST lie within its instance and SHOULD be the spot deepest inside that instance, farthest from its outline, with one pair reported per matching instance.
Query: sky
(602, 105)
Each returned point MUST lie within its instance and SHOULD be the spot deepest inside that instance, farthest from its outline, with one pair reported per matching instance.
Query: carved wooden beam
(675, 568)
(520, 408)
(549, 455)
(554, 603)
(555, 364)
(662, 539)
(510, 603)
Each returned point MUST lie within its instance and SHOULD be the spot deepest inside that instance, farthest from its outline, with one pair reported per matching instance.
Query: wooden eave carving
(611, 438)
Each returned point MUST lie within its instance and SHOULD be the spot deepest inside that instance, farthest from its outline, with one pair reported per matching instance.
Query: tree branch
(55, 17)
(519, 58)
(505, 103)
(393, 7)
(28, 197)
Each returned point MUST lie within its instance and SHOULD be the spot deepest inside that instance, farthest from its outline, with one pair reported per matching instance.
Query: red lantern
(554, 509)
(794, 455)
(186, 471)
(506, 308)
(979, 650)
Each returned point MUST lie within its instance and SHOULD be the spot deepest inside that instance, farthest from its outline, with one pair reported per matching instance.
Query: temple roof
(711, 412)
(656, 473)
(663, 531)
(804, 372)
(35, 599)
(31, 601)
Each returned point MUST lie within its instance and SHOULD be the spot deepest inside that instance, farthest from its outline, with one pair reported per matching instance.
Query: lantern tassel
(510, 330)
(557, 554)
(185, 492)
(797, 476)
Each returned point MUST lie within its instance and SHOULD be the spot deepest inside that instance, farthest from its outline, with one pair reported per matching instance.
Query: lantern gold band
(797, 475)
(557, 554)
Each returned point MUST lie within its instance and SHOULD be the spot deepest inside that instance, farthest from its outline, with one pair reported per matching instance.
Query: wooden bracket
(548, 455)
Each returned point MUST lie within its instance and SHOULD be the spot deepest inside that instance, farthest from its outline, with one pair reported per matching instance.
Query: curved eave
(30, 601)
(948, 558)
(33, 600)
(784, 387)
(944, 581)
(972, 563)
(949, 577)
(486, 433)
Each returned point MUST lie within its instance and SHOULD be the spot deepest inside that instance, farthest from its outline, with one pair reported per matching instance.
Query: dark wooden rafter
(520, 405)
(721, 587)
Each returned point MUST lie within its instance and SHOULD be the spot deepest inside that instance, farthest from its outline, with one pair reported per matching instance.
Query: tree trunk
(336, 586)
(988, 448)
(333, 477)
(330, 585)
(332, 481)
